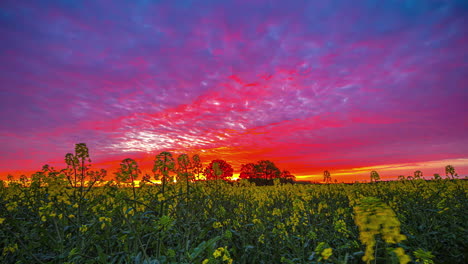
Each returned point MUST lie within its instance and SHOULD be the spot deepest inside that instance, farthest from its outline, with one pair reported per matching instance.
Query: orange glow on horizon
(387, 171)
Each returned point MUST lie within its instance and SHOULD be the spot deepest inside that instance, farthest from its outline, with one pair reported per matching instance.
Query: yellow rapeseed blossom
(326, 253)
(2, 220)
(161, 197)
(217, 225)
(218, 252)
(83, 229)
(261, 239)
(11, 248)
(374, 217)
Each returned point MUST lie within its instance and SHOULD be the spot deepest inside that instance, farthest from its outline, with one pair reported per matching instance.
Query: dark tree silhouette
(418, 174)
(267, 170)
(374, 176)
(449, 169)
(247, 171)
(287, 176)
(218, 170)
(326, 176)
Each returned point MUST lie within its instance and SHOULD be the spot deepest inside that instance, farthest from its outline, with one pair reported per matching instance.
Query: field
(413, 221)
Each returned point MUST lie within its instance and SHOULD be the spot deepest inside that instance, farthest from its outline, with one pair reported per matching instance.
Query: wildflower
(424, 257)
(261, 239)
(217, 225)
(256, 221)
(83, 229)
(400, 252)
(374, 217)
(326, 253)
(11, 248)
(2, 220)
(218, 252)
(161, 197)
(324, 250)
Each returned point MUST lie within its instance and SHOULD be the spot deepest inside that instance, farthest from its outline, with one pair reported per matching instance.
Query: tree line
(166, 168)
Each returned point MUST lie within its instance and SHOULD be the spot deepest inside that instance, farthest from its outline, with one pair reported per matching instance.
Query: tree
(374, 176)
(267, 170)
(449, 169)
(326, 176)
(437, 176)
(218, 170)
(418, 174)
(247, 171)
(287, 176)
(197, 166)
(402, 178)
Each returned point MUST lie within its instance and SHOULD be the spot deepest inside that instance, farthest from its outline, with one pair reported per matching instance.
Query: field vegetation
(72, 216)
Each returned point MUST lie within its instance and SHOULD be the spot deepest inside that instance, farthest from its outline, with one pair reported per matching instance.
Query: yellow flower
(205, 261)
(217, 225)
(218, 252)
(161, 197)
(261, 239)
(256, 221)
(326, 253)
(83, 229)
(2, 220)
(10, 248)
(43, 218)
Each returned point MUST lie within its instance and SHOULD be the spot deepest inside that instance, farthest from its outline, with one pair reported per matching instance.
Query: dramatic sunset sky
(347, 86)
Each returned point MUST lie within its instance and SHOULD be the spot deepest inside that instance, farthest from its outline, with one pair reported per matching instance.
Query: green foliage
(333, 223)
(373, 217)
(54, 217)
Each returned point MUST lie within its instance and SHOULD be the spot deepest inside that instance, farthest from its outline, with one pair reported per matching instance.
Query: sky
(339, 85)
